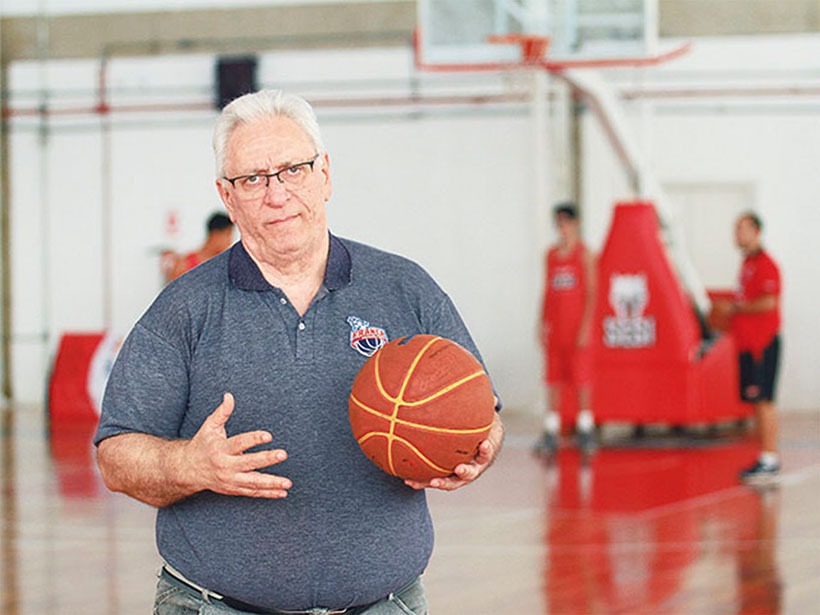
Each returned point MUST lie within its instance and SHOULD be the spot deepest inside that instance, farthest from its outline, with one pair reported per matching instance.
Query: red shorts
(568, 365)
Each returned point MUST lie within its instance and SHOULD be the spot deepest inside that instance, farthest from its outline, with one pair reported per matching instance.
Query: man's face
(746, 234)
(282, 221)
(567, 227)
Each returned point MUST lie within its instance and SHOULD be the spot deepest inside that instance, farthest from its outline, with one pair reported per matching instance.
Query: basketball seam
(443, 391)
(397, 402)
(419, 454)
(419, 426)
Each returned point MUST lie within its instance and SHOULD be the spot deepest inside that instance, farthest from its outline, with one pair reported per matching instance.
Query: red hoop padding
(533, 47)
(651, 366)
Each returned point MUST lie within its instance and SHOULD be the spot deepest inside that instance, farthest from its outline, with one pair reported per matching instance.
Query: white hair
(256, 105)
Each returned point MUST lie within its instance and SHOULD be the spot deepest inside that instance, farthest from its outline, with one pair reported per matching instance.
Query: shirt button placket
(302, 344)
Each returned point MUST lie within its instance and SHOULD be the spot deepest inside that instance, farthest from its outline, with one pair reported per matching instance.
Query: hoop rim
(533, 46)
(552, 66)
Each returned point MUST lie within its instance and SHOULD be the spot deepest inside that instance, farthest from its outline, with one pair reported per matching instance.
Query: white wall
(452, 186)
(450, 190)
(454, 195)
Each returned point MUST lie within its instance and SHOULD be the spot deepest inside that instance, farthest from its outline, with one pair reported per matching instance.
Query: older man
(227, 405)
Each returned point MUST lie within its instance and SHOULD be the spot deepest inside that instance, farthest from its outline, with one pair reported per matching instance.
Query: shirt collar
(244, 273)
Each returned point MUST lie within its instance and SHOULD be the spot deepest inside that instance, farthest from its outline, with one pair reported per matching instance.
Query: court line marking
(787, 479)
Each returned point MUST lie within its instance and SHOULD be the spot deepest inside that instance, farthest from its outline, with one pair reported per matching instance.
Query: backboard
(453, 32)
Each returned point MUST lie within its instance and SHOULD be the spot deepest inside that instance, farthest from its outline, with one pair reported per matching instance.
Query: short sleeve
(447, 322)
(766, 279)
(147, 390)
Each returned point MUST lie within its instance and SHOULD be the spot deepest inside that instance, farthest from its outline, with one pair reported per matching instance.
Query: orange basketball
(420, 406)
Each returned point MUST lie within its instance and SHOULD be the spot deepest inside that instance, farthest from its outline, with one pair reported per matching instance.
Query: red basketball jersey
(759, 276)
(565, 291)
(191, 260)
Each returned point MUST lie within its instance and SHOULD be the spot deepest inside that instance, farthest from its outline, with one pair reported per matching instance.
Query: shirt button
(283, 301)
(301, 326)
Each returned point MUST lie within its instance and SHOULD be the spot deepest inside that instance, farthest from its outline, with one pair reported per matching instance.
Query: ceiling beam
(236, 30)
(690, 18)
(334, 25)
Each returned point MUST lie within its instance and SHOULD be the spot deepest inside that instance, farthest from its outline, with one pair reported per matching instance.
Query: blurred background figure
(219, 238)
(566, 317)
(755, 323)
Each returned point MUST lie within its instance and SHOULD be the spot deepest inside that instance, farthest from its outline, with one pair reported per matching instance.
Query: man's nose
(276, 192)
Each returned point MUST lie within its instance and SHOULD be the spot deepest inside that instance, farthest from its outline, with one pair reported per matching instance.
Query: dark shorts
(758, 374)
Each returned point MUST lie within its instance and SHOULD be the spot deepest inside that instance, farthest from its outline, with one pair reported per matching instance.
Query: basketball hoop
(533, 46)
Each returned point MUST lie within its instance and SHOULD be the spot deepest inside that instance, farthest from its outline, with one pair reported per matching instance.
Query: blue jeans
(171, 599)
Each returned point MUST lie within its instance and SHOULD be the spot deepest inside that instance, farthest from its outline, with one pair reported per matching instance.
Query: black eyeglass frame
(277, 175)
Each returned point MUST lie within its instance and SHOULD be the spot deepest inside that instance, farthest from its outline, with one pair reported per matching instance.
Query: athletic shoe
(546, 444)
(760, 474)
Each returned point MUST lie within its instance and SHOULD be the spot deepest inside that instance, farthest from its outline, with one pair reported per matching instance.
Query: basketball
(420, 406)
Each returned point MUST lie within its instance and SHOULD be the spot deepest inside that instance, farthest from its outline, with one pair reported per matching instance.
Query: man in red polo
(755, 323)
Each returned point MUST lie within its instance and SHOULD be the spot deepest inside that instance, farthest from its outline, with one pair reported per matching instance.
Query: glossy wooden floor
(653, 526)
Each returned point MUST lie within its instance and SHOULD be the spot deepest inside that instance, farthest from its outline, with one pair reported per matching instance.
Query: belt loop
(203, 591)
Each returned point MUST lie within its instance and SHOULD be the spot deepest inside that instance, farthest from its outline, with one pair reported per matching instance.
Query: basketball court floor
(657, 525)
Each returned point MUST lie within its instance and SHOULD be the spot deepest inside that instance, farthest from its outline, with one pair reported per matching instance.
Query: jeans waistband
(176, 577)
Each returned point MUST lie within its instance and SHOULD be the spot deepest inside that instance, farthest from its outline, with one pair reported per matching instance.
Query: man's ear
(225, 195)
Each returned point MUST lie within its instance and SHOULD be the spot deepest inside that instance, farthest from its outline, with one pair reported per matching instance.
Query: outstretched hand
(220, 464)
(465, 473)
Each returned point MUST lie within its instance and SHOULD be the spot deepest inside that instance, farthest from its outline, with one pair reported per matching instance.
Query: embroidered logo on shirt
(364, 338)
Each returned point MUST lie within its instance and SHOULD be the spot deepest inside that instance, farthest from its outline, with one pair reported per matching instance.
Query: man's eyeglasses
(255, 185)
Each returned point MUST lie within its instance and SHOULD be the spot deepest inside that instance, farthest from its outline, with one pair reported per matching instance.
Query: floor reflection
(72, 453)
(758, 576)
(632, 529)
(68, 545)
(628, 530)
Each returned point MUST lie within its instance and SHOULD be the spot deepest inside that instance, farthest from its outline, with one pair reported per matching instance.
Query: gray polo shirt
(347, 533)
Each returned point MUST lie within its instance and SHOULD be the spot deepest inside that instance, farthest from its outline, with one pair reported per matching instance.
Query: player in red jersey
(566, 319)
(755, 324)
(219, 238)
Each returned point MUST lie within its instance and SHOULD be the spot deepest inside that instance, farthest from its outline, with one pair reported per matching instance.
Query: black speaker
(235, 76)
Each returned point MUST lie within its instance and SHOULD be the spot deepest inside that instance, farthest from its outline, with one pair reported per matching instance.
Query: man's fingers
(258, 484)
(274, 494)
(485, 452)
(238, 444)
(220, 416)
(446, 483)
(256, 461)
(240, 475)
(465, 473)
(228, 468)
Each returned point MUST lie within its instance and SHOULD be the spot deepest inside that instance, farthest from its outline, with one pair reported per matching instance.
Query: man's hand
(220, 463)
(159, 471)
(465, 473)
